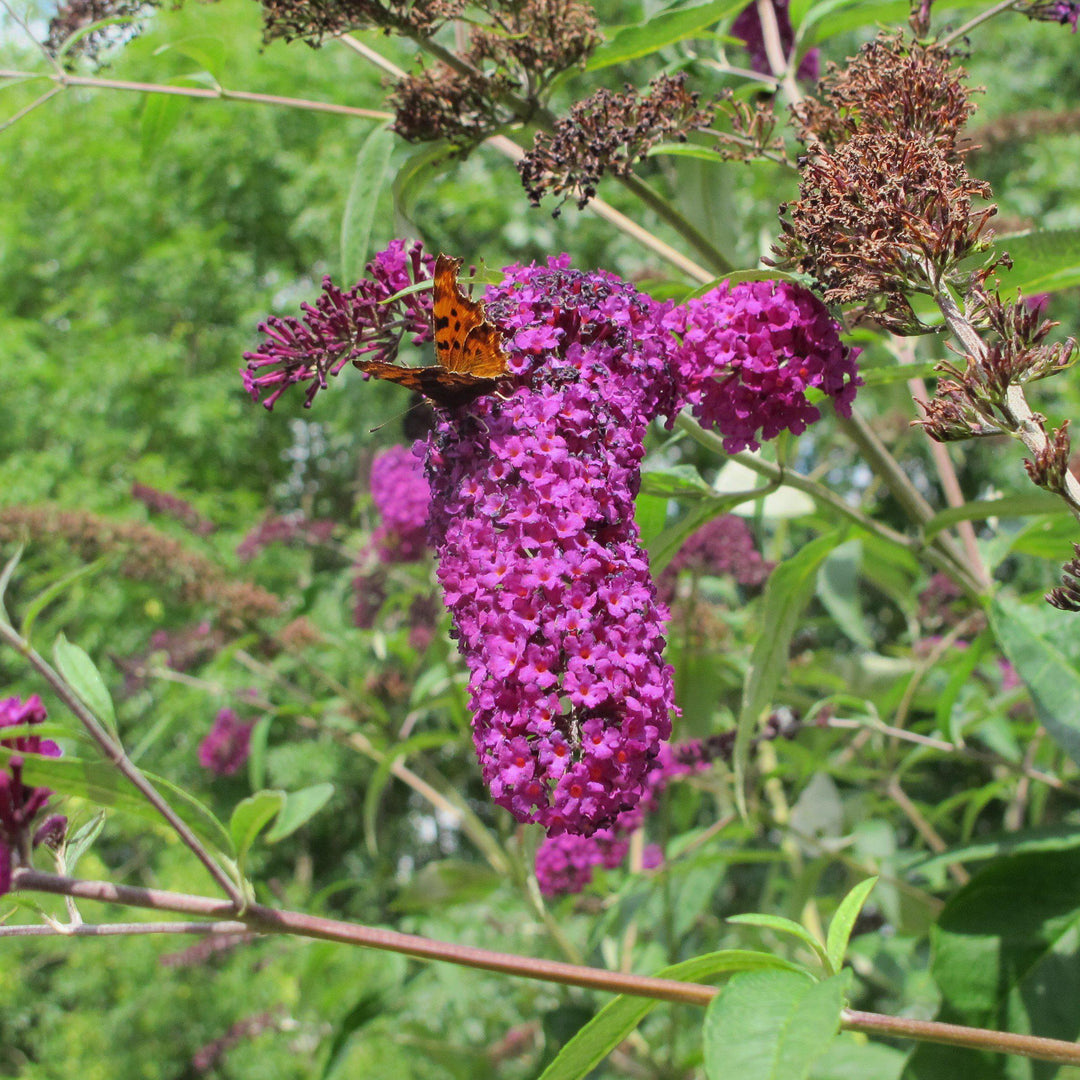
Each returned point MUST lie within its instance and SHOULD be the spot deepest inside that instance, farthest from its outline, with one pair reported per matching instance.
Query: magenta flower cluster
(401, 495)
(21, 803)
(565, 864)
(227, 745)
(749, 354)
(533, 519)
(343, 326)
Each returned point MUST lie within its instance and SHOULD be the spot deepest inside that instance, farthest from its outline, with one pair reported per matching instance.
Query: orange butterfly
(468, 347)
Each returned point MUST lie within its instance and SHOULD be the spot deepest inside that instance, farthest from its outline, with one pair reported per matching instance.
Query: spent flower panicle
(886, 206)
(608, 133)
(343, 326)
(21, 804)
(1065, 12)
(749, 354)
(161, 502)
(284, 529)
(314, 21)
(547, 585)
(502, 74)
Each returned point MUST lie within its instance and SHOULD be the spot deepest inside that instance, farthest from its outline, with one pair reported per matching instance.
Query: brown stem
(124, 929)
(63, 79)
(268, 920)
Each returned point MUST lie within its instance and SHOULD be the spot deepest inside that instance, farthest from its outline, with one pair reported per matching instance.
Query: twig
(64, 80)
(923, 827)
(31, 107)
(116, 754)
(997, 9)
(268, 920)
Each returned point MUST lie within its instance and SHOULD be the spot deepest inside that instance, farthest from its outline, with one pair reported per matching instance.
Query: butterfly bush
(750, 352)
(532, 517)
(22, 803)
(532, 495)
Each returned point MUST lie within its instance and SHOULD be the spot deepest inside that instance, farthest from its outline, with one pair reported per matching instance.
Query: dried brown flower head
(1067, 595)
(315, 20)
(608, 132)
(144, 554)
(76, 15)
(753, 130)
(892, 85)
(882, 215)
(505, 72)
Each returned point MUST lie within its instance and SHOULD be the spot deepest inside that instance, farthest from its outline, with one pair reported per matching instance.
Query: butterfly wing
(465, 341)
(446, 388)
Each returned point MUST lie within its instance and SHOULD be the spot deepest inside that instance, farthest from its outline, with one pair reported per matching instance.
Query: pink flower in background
(723, 546)
(226, 746)
(21, 803)
(747, 27)
(291, 529)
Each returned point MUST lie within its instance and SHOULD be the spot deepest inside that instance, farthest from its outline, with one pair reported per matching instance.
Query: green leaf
(1012, 506)
(843, 922)
(300, 807)
(417, 173)
(1043, 644)
(686, 149)
(371, 1004)
(1045, 838)
(838, 590)
(619, 1017)
(771, 1025)
(650, 513)
(80, 673)
(206, 51)
(784, 926)
(161, 114)
(852, 1056)
(961, 675)
(368, 181)
(1005, 956)
(665, 28)
(789, 589)
(46, 596)
(674, 482)
(1044, 260)
(440, 885)
(103, 785)
(834, 17)
(251, 816)
(82, 840)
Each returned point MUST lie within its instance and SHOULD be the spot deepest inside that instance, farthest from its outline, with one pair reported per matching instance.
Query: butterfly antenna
(412, 408)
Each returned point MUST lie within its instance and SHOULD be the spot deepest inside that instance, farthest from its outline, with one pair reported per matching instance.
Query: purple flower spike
(749, 354)
(532, 517)
(343, 326)
(226, 746)
(20, 803)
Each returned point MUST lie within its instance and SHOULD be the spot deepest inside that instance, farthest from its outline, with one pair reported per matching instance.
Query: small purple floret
(227, 744)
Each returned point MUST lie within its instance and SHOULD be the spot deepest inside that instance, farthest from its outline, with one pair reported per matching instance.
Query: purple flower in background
(21, 803)
(751, 351)
(401, 496)
(226, 746)
(343, 326)
(532, 516)
(1059, 11)
(747, 27)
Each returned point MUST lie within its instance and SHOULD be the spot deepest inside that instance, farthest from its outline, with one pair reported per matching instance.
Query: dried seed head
(1067, 595)
(608, 132)
(882, 215)
(315, 20)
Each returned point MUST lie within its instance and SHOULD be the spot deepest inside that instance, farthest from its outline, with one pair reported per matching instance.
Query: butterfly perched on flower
(468, 347)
